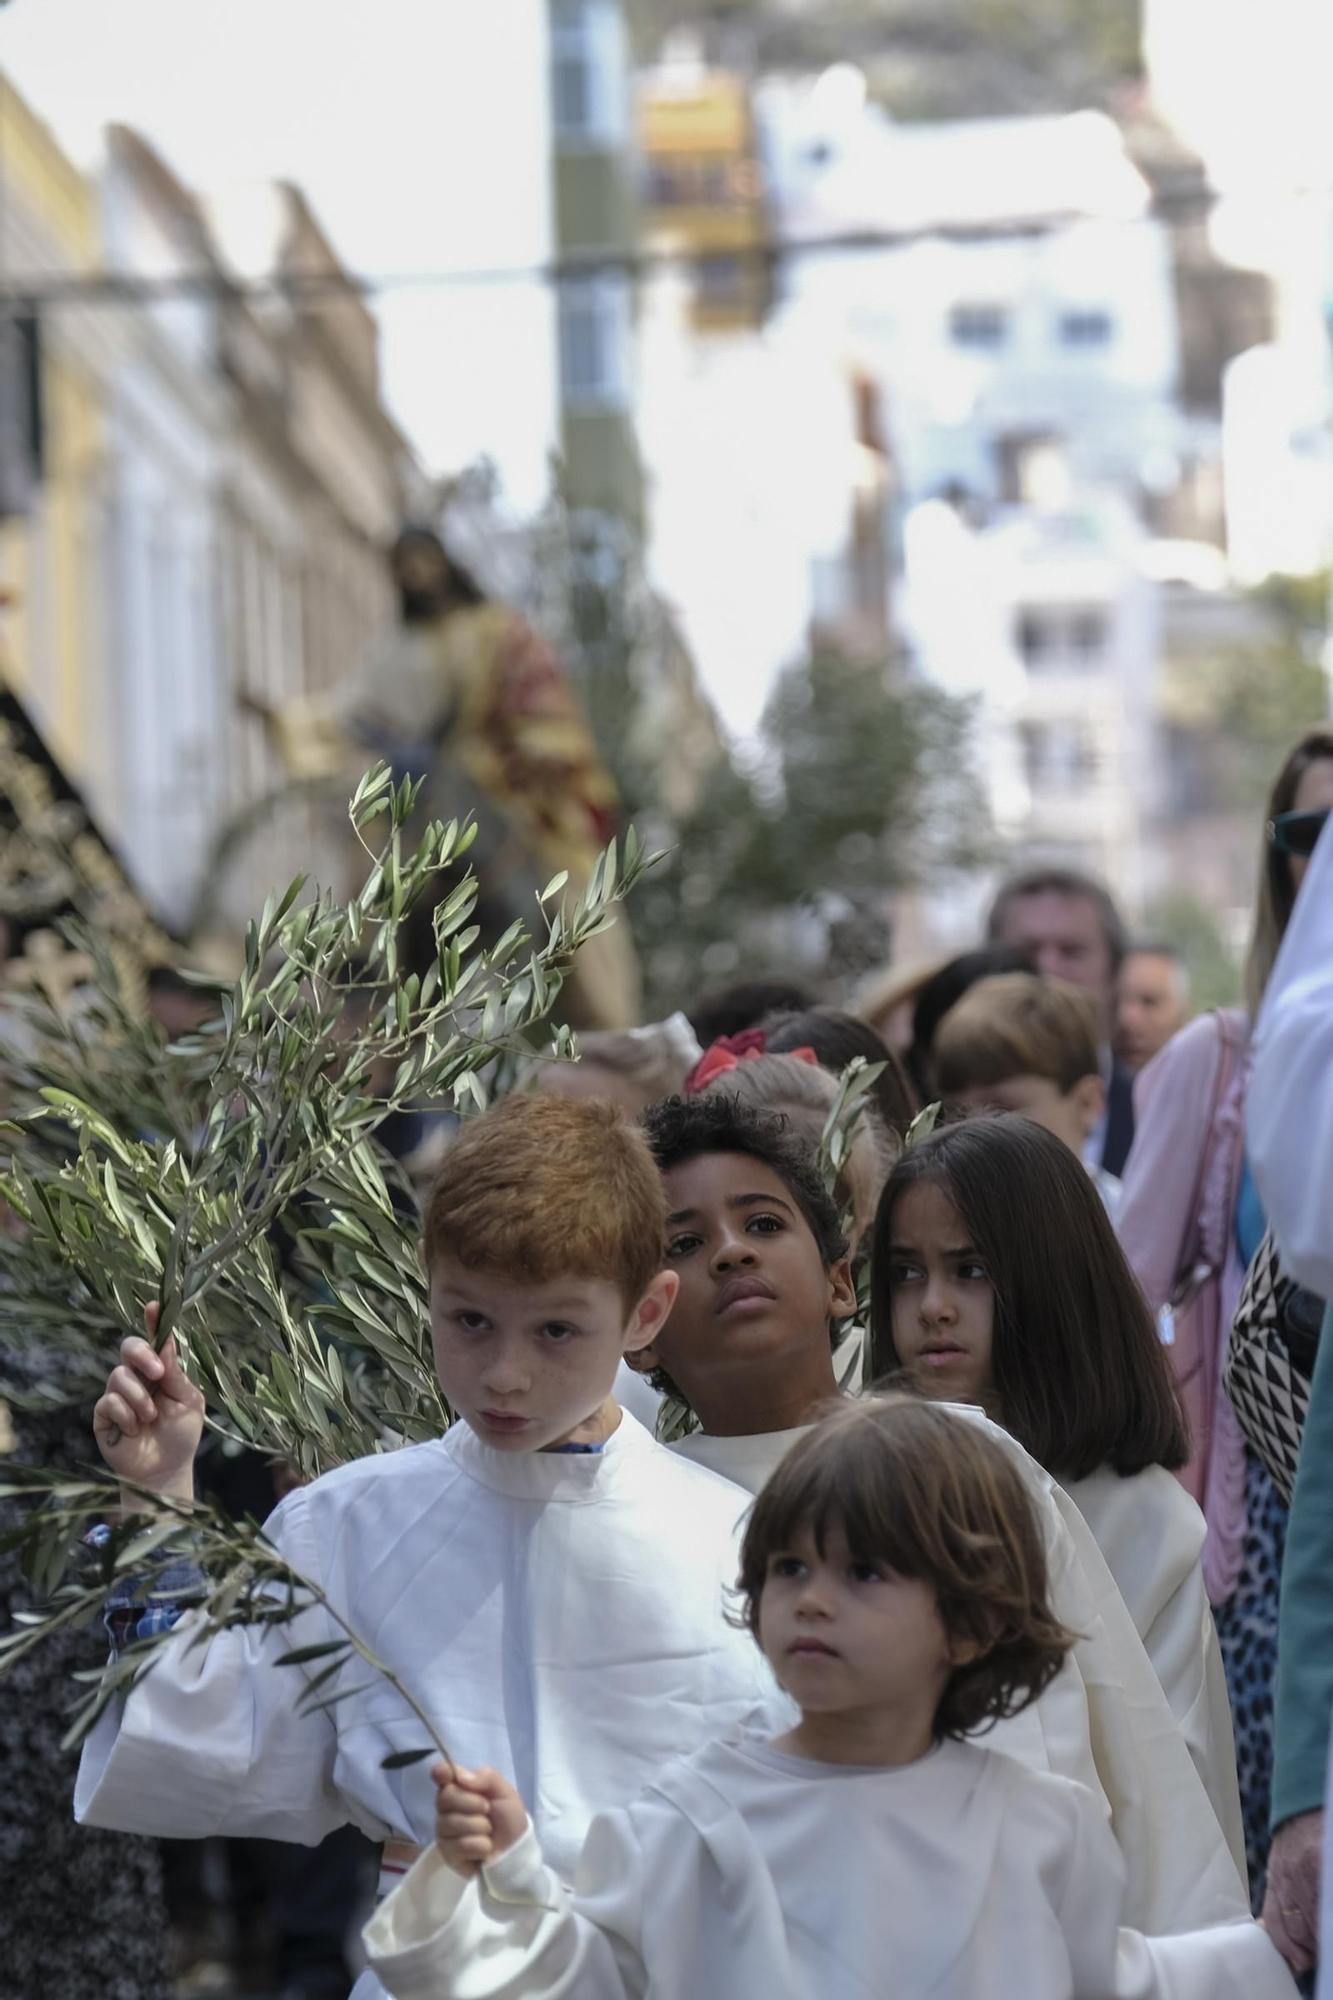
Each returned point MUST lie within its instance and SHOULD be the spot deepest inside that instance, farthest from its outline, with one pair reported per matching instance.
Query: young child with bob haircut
(549, 1582)
(1019, 1042)
(997, 1280)
(893, 1574)
(754, 1241)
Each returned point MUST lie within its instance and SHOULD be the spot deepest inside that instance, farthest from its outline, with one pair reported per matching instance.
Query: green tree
(857, 786)
(1237, 711)
(1215, 979)
(860, 787)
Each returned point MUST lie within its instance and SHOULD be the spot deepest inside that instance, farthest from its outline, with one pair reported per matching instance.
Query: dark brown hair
(1080, 1376)
(1277, 891)
(926, 1492)
(837, 1039)
(544, 1187)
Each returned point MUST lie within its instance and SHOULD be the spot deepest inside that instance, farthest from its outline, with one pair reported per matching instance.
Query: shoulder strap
(1229, 1040)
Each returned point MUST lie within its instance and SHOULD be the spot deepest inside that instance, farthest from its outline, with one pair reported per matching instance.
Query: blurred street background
(911, 424)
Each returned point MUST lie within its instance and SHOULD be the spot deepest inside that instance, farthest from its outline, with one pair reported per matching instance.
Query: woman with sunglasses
(1190, 1223)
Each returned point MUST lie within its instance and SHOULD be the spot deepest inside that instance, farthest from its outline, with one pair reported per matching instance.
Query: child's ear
(647, 1320)
(841, 1290)
(1089, 1099)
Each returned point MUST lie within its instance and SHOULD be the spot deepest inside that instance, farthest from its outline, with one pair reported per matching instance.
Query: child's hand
(478, 1815)
(149, 1422)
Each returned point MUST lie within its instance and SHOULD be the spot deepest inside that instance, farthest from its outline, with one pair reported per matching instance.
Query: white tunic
(1151, 1534)
(746, 1873)
(559, 1617)
(1103, 1721)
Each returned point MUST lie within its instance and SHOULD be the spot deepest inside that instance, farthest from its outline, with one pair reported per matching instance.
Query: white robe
(1151, 1534)
(559, 1617)
(1103, 1721)
(746, 1873)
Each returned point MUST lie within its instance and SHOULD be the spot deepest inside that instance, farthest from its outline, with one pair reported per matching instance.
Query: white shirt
(1104, 1719)
(747, 1461)
(749, 1874)
(559, 1616)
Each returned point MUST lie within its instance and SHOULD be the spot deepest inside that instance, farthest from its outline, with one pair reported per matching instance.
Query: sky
(419, 132)
(415, 127)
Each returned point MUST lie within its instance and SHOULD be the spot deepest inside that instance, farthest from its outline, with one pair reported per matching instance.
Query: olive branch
(243, 1579)
(235, 1178)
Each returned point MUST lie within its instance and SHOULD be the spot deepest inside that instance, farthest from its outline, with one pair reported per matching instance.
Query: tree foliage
(860, 787)
(1236, 711)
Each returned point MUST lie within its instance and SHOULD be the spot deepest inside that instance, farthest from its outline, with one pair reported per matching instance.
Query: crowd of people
(897, 1565)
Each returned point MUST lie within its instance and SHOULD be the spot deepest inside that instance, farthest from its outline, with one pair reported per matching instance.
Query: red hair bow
(728, 1052)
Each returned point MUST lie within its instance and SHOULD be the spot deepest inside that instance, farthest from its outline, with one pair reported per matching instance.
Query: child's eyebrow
(733, 1201)
(758, 1201)
(946, 1250)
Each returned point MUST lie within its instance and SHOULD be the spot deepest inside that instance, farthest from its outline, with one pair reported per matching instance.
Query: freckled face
(526, 1365)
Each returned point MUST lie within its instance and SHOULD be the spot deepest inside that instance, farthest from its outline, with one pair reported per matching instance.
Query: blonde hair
(1017, 1024)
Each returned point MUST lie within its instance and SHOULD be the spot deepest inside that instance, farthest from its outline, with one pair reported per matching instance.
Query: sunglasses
(1296, 832)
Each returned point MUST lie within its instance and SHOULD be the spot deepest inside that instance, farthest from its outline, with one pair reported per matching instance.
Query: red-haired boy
(548, 1581)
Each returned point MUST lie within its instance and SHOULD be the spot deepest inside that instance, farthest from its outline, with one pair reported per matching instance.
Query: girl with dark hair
(893, 1574)
(1191, 1222)
(996, 1279)
(838, 1039)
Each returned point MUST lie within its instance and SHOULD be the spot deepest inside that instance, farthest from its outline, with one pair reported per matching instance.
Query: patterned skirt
(1247, 1632)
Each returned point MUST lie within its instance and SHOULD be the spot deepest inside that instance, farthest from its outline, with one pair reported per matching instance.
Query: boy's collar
(564, 1477)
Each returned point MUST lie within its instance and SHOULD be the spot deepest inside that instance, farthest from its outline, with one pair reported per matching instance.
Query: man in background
(1152, 1003)
(1069, 927)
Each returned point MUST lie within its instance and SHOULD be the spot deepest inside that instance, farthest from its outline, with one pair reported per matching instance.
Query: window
(721, 279)
(1087, 635)
(1058, 757)
(22, 426)
(1035, 635)
(588, 73)
(1086, 327)
(662, 188)
(1055, 638)
(977, 326)
(594, 338)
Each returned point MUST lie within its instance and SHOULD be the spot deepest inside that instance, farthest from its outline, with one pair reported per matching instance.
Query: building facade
(199, 489)
(54, 368)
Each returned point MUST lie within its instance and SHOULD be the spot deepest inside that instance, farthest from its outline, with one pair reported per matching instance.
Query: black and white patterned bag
(1270, 1359)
